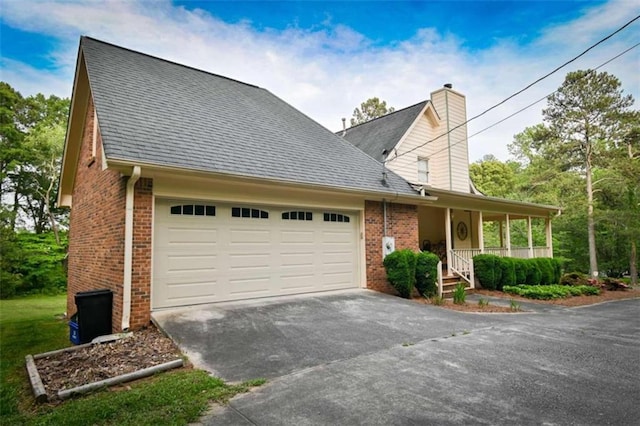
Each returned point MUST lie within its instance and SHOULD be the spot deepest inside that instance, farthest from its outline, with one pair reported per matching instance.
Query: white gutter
(128, 248)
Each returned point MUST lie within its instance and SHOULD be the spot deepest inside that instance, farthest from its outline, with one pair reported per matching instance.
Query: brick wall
(96, 233)
(142, 248)
(402, 223)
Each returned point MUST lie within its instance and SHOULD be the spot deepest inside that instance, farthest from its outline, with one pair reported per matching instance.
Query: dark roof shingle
(384, 132)
(162, 113)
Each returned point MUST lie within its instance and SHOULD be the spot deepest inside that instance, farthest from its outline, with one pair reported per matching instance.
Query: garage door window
(193, 210)
(246, 212)
(336, 217)
(297, 216)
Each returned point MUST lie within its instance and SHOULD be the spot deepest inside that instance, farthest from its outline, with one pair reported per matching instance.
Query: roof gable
(156, 112)
(384, 133)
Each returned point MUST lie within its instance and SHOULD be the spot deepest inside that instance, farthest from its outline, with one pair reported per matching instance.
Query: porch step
(449, 283)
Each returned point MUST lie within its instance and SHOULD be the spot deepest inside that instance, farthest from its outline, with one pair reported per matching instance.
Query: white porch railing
(462, 266)
(498, 251)
(542, 252)
(521, 252)
(439, 278)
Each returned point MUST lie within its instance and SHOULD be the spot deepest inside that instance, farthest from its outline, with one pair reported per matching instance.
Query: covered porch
(459, 226)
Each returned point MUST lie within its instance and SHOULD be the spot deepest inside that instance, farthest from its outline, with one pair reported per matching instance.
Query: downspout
(128, 248)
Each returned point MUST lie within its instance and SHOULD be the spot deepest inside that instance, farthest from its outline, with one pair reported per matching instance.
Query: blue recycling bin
(74, 331)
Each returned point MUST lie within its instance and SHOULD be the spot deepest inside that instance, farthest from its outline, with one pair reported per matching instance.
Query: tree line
(32, 228)
(585, 158)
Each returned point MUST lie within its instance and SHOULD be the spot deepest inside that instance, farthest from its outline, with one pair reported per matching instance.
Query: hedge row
(494, 272)
(406, 270)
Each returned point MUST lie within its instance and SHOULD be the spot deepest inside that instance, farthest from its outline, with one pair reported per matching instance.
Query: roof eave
(124, 166)
(75, 127)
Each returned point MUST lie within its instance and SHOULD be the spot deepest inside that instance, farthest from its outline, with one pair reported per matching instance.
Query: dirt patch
(143, 349)
(468, 306)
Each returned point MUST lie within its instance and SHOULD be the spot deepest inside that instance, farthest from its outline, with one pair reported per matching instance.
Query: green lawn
(33, 325)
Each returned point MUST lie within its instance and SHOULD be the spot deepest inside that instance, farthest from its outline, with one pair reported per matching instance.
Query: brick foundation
(402, 223)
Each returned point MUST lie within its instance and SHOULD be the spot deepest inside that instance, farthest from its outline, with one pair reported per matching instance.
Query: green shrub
(426, 273)
(459, 294)
(557, 269)
(533, 272)
(520, 266)
(401, 271)
(574, 278)
(546, 271)
(487, 269)
(553, 291)
(507, 272)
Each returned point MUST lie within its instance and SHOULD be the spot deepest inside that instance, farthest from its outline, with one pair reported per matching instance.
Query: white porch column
(480, 233)
(447, 227)
(529, 237)
(547, 223)
(508, 234)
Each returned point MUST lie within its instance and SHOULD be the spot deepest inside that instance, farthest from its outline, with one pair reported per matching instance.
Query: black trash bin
(93, 317)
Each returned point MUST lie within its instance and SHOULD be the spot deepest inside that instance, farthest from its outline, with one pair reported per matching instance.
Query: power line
(545, 97)
(525, 88)
(511, 115)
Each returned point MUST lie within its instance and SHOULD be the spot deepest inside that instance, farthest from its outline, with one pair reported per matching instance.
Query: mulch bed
(604, 296)
(143, 349)
(467, 307)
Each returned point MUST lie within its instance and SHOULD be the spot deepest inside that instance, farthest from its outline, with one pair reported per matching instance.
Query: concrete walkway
(361, 357)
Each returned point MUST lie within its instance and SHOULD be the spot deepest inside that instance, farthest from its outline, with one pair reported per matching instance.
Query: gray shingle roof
(158, 112)
(384, 132)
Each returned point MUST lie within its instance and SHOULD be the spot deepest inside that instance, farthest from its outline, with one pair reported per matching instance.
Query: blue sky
(327, 57)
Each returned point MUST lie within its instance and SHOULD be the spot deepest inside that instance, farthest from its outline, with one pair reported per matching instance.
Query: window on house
(247, 212)
(336, 217)
(193, 210)
(297, 215)
(423, 170)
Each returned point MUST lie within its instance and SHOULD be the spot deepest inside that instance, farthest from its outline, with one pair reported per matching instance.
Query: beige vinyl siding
(457, 139)
(407, 165)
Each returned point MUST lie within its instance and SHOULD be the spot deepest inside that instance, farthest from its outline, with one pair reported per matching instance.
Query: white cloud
(329, 69)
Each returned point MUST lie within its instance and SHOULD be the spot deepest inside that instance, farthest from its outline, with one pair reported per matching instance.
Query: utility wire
(525, 88)
(555, 91)
(513, 114)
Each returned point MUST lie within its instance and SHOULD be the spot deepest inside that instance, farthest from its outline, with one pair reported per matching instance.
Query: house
(427, 145)
(187, 187)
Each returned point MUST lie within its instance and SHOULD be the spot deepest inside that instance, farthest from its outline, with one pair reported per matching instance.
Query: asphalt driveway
(361, 357)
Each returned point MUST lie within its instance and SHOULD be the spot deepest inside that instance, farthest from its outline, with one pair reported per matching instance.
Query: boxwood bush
(534, 276)
(546, 271)
(426, 273)
(401, 271)
(520, 266)
(507, 272)
(488, 270)
(557, 269)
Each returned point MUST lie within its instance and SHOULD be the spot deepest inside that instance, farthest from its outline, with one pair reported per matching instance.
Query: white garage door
(209, 252)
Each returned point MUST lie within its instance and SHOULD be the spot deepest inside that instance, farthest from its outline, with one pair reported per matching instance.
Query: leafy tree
(584, 117)
(584, 120)
(32, 135)
(493, 177)
(370, 109)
